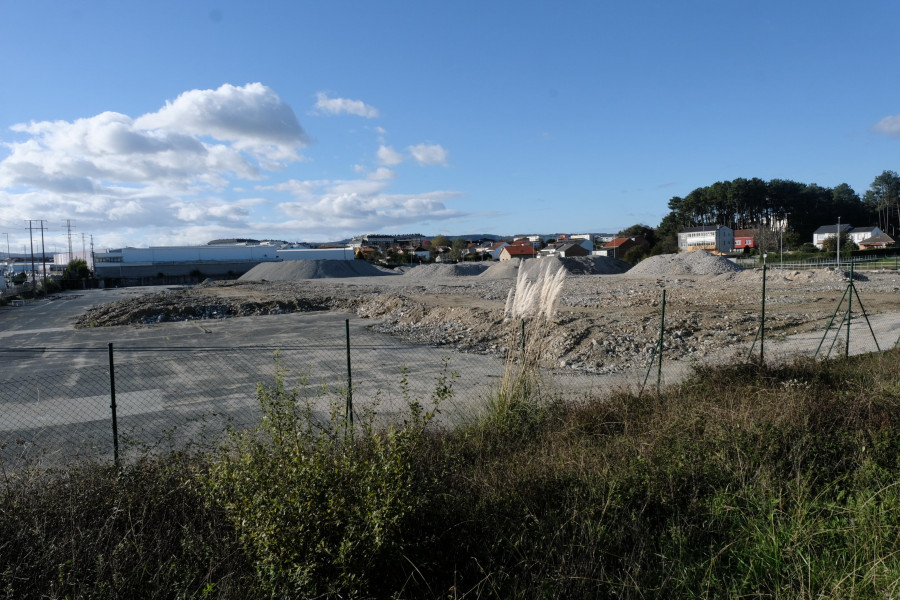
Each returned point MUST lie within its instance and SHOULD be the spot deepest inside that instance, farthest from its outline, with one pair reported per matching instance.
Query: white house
(857, 234)
(495, 249)
(861, 234)
(712, 238)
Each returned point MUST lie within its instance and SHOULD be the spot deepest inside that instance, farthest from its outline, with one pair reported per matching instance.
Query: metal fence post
(849, 310)
(662, 331)
(762, 321)
(112, 404)
(349, 376)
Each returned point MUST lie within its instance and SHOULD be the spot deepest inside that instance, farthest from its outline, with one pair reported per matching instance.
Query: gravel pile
(578, 265)
(291, 270)
(431, 271)
(589, 265)
(505, 269)
(688, 263)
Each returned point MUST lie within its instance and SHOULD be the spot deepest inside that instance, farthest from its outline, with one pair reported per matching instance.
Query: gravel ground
(605, 322)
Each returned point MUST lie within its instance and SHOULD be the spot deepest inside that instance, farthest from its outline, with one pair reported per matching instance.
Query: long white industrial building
(211, 260)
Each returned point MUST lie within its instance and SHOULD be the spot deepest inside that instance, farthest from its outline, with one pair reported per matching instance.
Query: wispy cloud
(388, 157)
(889, 126)
(362, 205)
(338, 106)
(428, 154)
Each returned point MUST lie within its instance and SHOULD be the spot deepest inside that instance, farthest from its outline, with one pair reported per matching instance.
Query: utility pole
(43, 252)
(8, 257)
(69, 231)
(31, 239)
(838, 244)
(83, 253)
(92, 254)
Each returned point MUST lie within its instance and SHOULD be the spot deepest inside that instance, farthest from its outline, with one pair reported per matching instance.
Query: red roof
(519, 250)
(744, 233)
(616, 242)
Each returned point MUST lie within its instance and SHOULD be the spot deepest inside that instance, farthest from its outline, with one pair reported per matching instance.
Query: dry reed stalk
(534, 303)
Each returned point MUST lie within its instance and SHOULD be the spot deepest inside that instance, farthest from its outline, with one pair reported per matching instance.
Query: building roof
(745, 233)
(862, 229)
(569, 246)
(520, 250)
(878, 240)
(616, 242)
(701, 228)
(826, 229)
(499, 244)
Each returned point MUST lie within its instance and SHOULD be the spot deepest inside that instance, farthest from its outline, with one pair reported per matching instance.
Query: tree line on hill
(792, 209)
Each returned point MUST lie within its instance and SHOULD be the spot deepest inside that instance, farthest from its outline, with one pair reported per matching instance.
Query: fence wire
(182, 397)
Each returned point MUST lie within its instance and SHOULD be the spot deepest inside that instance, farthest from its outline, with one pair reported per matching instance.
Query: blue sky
(179, 122)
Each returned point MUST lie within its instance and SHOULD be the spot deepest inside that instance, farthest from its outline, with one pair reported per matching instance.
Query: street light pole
(781, 244)
(838, 245)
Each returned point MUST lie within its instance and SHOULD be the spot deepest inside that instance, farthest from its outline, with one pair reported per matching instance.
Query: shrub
(323, 506)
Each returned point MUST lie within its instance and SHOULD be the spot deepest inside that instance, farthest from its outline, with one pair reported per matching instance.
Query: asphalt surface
(185, 382)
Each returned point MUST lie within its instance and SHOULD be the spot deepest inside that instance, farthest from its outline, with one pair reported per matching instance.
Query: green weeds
(744, 481)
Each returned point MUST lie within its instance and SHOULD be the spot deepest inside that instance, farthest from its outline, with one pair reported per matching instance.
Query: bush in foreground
(778, 482)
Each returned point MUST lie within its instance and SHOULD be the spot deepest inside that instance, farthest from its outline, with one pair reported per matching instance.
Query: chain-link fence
(127, 399)
(131, 399)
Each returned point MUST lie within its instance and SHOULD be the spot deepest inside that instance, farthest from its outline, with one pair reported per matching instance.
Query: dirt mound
(505, 269)
(437, 270)
(589, 265)
(806, 276)
(688, 263)
(578, 265)
(290, 270)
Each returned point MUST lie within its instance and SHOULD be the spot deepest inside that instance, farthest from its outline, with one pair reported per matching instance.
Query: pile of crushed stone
(439, 270)
(577, 265)
(290, 270)
(688, 263)
(590, 265)
(505, 269)
(807, 276)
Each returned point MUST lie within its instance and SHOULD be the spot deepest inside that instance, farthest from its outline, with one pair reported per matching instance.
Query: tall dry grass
(529, 313)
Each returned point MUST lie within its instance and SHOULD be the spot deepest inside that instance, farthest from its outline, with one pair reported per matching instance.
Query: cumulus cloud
(338, 106)
(889, 126)
(388, 156)
(362, 205)
(251, 117)
(112, 168)
(176, 175)
(428, 154)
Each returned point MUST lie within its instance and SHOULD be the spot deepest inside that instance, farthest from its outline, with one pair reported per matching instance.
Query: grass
(779, 482)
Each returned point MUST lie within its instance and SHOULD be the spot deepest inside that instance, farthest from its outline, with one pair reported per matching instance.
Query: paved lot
(185, 381)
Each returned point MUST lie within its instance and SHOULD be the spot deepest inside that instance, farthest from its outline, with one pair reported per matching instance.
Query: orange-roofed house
(617, 247)
(744, 238)
(517, 251)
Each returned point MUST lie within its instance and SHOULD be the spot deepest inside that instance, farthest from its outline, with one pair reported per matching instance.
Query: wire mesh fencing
(132, 400)
(126, 400)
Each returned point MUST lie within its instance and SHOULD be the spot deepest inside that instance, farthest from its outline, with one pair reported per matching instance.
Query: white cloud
(179, 175)
(161, 169)
(382, 173)
(889, 126)
(388, 156)
(337, 106)
(361, 205)
(428, 154)
(253, 118)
